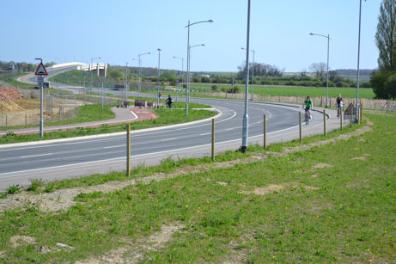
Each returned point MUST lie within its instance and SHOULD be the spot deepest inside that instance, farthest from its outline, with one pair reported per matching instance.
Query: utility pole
(245, 122)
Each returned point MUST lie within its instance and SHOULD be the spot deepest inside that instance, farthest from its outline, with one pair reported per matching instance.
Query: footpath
(122, 116)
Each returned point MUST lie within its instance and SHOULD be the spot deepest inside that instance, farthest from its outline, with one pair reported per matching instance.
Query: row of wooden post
(213, 135)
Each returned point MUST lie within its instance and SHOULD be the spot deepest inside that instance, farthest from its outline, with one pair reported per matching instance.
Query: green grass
(268, 90)
(11, 80)
(202, 89)
(87, 113)
(84, 113)
(166, 117)
(350, 218)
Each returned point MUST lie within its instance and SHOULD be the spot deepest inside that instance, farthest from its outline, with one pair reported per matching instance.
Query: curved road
(19, 164)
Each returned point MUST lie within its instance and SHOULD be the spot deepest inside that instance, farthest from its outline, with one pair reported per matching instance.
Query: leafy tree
(386, 36)
(115, 74)
(384, 80)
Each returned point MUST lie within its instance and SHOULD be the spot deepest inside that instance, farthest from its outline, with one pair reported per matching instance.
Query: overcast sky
(117, 30)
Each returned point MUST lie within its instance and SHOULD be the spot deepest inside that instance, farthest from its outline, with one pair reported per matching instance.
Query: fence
(384, 105)
(57, 107)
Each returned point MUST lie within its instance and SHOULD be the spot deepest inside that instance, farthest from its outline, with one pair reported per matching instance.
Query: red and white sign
(41, 70)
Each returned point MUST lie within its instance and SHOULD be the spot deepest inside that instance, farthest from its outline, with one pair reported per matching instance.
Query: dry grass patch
(135, 251)
(19, 240)
(275, 188)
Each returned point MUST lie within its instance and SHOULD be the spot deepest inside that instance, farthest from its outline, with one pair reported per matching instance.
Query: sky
(118, 30)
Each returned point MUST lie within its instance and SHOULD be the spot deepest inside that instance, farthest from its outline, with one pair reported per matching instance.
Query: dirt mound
(8, 98)
(10, 93)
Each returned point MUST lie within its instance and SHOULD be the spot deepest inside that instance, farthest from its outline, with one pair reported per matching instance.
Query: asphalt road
(30, 160)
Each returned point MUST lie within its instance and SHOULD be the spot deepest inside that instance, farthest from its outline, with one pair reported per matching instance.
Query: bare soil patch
(321, 166)
(135, 251)
(19, 240)
(275, 188)
(361, 158)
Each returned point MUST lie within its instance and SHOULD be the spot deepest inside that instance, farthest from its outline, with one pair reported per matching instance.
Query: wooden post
(361, 112)
(324, 123)
(6, 120)
(213, 140)
(128, 150)
(300, 125)
(25, 119)
(265, 128)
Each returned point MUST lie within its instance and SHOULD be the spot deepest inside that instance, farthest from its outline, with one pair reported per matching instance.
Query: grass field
(337, 205)
(87, 113)
(268, 90)
(166, 117)
(199, 89)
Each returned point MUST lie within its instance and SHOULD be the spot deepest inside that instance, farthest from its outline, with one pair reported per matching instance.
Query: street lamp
(328, 57)
(254, 59)
(140, 68)
(181, 73)
(159, 76)
(245, 121)
(357, 106)
(188, 58)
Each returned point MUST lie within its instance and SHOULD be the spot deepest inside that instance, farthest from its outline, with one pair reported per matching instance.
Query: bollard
(128, 150)
(25, 119)
(300, 125)
(265, 128)
(324, 123)
(213, 140)
(341, 119)
(6, 121)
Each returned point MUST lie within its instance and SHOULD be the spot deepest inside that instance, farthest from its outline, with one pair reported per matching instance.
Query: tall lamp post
(328, 58)
(140, 68)
(357, 106)
(245, 121)
(159, 76)
(253, 61)
(188, 58)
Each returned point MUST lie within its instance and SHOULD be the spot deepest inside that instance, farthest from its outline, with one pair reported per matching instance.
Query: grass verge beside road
(332, 204)
(166, 117)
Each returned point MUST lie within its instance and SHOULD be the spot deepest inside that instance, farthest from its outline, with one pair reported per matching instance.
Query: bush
(214, 88)
(390, 85)
(35, 185)
(13, 189)
(384, 84)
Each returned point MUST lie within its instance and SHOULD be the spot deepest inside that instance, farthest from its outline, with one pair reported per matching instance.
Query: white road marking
(116, 146)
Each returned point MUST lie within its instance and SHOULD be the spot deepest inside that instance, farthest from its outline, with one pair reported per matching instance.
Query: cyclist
(169, 101)
(307, 108)
(340, 104)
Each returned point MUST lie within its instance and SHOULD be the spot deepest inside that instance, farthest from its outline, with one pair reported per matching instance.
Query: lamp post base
(243, 149)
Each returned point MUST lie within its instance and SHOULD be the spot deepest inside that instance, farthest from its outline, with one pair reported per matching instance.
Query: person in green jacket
(307, 108)
(308, 104)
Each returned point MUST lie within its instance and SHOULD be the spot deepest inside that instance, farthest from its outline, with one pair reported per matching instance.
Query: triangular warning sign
(40, 70)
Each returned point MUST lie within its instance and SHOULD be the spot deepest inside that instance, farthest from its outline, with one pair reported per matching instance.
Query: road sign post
(40, 73)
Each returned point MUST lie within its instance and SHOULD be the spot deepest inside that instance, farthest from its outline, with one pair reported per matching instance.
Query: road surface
(20, 164)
